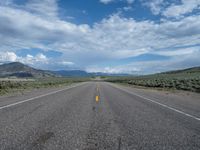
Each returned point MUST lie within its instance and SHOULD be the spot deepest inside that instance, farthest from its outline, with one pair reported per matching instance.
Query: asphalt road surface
(98, 116)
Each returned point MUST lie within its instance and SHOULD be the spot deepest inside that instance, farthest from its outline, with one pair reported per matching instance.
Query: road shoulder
(188, 102)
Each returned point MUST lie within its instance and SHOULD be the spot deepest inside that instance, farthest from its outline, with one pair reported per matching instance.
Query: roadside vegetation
(9, 86)
(188, 80)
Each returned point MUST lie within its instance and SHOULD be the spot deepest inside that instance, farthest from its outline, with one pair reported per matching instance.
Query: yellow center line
(97, 98)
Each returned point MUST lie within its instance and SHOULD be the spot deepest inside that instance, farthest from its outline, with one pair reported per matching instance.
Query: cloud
(179, 52)
(7, 56)
(29, 59)
(172, 10)
(130, 1)
(44, 8)
(39, 60)
(127, 8)
(106, 1)
(113, 70)
(155, 5)
(110, 1)
(67, 63)
(6, 2)
(179, 10)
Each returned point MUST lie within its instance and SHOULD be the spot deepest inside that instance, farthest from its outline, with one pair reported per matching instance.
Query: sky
(110, 36)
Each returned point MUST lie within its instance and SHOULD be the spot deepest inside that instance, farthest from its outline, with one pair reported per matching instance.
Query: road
(98, 116)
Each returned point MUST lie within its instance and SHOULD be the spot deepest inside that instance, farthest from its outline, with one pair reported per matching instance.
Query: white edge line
(163, 105)
(33, 98)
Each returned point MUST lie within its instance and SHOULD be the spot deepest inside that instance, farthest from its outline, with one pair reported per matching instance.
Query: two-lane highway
(97, 116)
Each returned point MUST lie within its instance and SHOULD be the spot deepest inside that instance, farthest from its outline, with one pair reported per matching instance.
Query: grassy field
(188, 80)
(15, 85)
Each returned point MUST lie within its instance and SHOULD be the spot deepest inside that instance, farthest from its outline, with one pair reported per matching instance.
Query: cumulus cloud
(29, 59)
(186, 6)
(155, 5)
(173, 10)
(8, 56)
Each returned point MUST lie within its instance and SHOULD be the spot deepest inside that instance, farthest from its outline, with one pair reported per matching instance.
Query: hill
(188, 70)
(17, 69)
(186, 79)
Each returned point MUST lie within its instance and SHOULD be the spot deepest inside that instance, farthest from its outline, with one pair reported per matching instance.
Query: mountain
(71, 73)
(184, 71)
(108, 74)
(81, 73)
(17, 69)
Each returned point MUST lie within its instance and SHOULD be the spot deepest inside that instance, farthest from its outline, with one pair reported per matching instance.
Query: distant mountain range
(77, 73)
(17, 69)
(71, 73)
